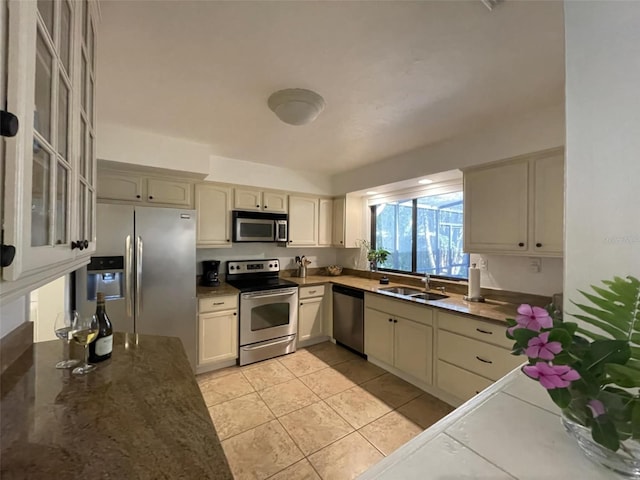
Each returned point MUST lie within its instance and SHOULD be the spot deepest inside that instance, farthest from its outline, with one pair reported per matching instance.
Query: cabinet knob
(290, 241)
(7, 254)
(391, 319)
(341, 241)
(228, 240)
(150, 197)
(85, 244)
(521, 244)
(9, 124)
(79, 245)
(301, 303)
(234, 314)
(395, 321)
(538, 244)
(257, 206)
(265, 207)
(137, 196)
(74, 245)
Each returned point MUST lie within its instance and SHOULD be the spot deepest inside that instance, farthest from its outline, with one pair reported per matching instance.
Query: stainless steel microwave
(259, 227)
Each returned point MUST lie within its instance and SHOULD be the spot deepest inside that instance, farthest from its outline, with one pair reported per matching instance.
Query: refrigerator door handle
(138, 276)
(128, 274)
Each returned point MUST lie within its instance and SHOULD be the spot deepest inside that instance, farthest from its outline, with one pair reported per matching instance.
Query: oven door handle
(254, 296)
(258, 347)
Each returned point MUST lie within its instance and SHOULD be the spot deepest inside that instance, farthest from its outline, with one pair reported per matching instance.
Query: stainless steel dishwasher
(348, 317)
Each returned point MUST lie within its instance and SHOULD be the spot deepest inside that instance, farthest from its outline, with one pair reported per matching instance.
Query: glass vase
(625, 461)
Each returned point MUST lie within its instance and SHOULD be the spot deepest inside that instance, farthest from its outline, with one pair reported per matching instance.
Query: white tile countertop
(512, 430)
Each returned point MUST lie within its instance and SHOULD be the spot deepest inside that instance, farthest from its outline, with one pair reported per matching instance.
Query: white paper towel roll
(474, 282)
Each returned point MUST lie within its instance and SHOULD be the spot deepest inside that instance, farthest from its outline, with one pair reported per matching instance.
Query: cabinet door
(114, 186)
(170, 192)
(274, 202)
(548, 205)
(378, 335)
(339, 205)
(303, 221)
(413, 349)
(218, 337)
(245, 199)
(310, 318)
(39, 164)
(325, 222)
(213, 210)
(496, 208)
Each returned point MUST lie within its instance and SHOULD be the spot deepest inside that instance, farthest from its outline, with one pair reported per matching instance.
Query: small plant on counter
(375, 256)
(593, 377)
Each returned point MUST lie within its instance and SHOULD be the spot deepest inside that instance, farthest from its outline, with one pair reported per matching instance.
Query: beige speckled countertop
(491, 309)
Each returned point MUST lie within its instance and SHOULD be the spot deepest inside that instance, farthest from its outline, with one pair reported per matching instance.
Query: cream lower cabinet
(471, 354)
(401, 335)
(218, 330)
(311, 315)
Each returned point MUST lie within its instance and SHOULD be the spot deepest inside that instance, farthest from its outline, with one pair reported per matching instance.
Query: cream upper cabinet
(548, 211)
(325, 222)
(120, 186)
(348, 227)
(516, 207)
(303, 221)
(496, 208)
(257, 200)
(49, 166)
(169, 192)
(213, 211)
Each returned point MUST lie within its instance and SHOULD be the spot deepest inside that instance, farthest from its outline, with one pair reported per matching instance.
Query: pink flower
(551, 376)
(596, 407)
(531, 318)
(541, 347)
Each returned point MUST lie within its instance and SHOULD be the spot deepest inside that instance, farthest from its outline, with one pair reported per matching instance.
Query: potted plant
(591, 373)
(375, 256)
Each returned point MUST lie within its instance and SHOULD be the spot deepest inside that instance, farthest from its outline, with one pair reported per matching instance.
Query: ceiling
(395, 75)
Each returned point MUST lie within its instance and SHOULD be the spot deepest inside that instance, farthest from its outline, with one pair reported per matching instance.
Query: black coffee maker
(210, 273)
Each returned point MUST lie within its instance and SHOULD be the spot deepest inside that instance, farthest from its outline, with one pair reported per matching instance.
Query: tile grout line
(478, 454)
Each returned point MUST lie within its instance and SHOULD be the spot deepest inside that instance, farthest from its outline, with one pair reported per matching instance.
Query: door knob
(9, 124)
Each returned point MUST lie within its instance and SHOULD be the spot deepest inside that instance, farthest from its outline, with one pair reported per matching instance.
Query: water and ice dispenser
(106, 274)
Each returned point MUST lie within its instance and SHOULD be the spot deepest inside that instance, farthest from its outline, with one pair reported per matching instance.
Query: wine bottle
(101, 349)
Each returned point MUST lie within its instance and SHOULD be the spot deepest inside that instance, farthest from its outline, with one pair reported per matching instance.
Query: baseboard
(209, 367)
(14, 344)
(313, 341)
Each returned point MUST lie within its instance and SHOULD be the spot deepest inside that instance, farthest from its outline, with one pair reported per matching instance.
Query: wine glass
(84, 331)
(62, 326)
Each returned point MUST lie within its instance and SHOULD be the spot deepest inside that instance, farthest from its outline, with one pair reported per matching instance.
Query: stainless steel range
(268, 309)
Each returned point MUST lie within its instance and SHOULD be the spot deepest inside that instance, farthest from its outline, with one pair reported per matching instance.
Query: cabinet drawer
(477, 357)
(458, 382)
(308, 292)
(217, 304)
(489, 332)
(399, 308)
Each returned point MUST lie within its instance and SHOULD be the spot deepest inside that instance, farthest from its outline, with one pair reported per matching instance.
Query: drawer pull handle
(218, 303)
(311, 292)
(477, 392)
(483, 360)
(484, 331)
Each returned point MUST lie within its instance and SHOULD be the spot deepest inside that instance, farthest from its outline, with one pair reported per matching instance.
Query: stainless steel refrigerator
(145, 263)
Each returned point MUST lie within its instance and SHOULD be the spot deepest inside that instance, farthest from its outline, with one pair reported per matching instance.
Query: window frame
(413, 196)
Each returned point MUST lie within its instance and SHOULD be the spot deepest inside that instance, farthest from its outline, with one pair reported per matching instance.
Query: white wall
(319, 257)
(531, 132)
(602, 232)
(129, 145)
(14, 314)
(47, 302)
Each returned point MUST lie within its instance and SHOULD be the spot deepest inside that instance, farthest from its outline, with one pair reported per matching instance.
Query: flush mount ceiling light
(372, 193)
(296, 106)
(425, 181)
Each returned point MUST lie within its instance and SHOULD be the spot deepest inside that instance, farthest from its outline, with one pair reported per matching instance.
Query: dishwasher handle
(351, 292)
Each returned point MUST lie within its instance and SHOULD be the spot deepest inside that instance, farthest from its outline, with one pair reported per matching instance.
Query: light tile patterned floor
(319, 413)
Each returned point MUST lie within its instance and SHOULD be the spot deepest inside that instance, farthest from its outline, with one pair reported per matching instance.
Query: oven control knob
(270, 265)
(231, 267)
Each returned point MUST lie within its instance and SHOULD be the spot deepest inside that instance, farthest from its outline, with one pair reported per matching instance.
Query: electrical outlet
(535, 265)
(483, 264)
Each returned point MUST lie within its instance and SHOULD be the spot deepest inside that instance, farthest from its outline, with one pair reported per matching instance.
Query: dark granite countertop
(140, 415)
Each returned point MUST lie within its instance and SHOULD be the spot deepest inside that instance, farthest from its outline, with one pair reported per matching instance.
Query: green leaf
(604, 432)
(623, 375)
(523, 335)
(560, 396)
(606, 351)
(635, 419)
(560, 335)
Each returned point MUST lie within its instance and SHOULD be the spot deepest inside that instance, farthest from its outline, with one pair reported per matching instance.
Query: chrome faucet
(426, 279)
(441, 289)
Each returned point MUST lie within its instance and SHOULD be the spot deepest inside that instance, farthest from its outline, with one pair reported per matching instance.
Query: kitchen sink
(429, 296)
(406, 291)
